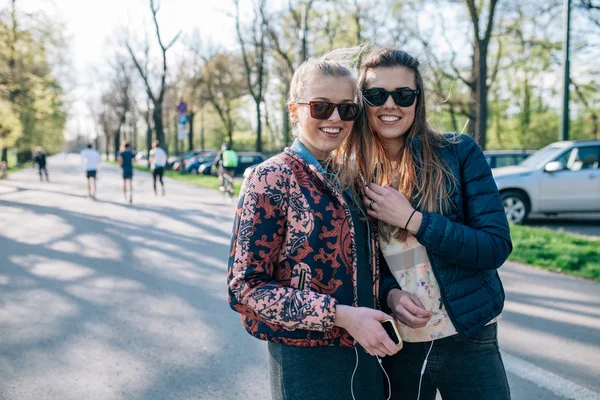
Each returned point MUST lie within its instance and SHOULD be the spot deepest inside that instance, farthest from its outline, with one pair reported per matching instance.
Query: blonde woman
(443, 233)
(303, 270)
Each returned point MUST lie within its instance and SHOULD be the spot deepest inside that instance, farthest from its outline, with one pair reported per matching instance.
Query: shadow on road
(554, 322)
(125, 303)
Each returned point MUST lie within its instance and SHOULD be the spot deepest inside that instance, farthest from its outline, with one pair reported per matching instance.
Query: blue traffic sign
(182, 107)
(183, 119)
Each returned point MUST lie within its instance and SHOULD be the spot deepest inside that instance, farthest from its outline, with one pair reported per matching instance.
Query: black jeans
(461, 369)
(42, 169)
(158, 172)
(323, 373)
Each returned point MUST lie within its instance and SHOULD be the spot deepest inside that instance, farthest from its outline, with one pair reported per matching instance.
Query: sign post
(564, 127)
(181, 131)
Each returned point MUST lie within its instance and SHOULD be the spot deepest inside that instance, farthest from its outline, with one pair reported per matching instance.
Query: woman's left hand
(391, 206)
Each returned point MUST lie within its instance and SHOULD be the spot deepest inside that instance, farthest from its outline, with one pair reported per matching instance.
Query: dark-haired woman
(444, 234)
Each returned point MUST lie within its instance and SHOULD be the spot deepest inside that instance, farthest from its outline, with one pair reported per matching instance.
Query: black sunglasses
(323, 110)
(403, 97)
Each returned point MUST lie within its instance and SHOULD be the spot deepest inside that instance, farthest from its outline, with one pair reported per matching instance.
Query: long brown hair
(418, 171)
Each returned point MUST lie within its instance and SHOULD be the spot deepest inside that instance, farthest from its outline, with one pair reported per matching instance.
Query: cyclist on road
(227, 162)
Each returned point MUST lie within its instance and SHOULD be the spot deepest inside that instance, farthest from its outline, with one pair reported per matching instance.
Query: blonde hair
(337, 63)
(419, 173)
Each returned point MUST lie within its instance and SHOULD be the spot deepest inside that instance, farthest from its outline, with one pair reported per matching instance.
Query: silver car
(562, 177)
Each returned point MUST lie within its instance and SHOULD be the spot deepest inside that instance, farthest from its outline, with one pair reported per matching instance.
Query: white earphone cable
(353, 373)
(423, 370)
(380, 366)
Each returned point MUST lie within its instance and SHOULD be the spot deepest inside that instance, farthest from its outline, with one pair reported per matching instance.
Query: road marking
(547, 380)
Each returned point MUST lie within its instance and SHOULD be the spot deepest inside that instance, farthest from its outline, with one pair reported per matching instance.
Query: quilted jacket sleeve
(259, 234)
(483, 241)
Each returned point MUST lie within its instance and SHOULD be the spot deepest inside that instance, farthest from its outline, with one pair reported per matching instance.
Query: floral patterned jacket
(293, 255)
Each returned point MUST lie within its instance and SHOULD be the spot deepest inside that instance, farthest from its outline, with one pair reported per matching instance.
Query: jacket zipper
(302, 280)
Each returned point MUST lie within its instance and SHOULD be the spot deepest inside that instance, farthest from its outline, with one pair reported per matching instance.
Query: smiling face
(321, 137)
(390, 121)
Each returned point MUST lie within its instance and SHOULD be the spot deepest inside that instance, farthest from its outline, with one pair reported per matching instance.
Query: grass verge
(12, 164)
(204, 181)
(556, 251)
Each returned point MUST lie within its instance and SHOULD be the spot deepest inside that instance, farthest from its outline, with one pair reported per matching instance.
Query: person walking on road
(126, 160)
(91, 158)
(443, 233)
(40, 160)
(158, 160)
(303, 270)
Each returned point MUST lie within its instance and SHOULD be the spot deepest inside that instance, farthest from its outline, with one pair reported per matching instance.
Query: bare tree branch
(496, 67)
(142, 72)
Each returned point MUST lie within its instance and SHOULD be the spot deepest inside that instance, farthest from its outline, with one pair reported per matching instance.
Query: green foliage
(557, 251)
(10, 125)
(29, 91)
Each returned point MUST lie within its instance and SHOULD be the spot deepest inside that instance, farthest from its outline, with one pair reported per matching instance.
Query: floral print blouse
(410, 265)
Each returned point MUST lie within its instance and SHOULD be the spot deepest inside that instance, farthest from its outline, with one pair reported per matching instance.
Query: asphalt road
(106, 300)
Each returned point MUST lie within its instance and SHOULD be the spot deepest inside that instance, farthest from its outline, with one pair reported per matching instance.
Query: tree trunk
(178, 144)
(117, 142)
(202, 129)
(481, 110)
(258, 128)
(229, 132)
(5, 154)
(134, 139)
(107, 146)
(191, 131)
(453, 118)
(158, 126)
(287, 129)
(472, 115)
(526, 113)
(148, 136)
(286, 125)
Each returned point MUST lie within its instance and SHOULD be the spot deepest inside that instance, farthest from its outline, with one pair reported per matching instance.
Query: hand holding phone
(391, 327)
(364, 325)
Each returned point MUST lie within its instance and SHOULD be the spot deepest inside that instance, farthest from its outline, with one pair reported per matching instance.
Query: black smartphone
(392, 330)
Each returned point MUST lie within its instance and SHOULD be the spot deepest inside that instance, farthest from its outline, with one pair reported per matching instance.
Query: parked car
(563, 177)
(141, 156)
(506, 158)
(206, 168)
(176, 165)
(194, 164)
(245, 160)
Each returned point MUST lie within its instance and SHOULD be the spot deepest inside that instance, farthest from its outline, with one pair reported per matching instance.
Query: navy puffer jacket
(469, 242)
